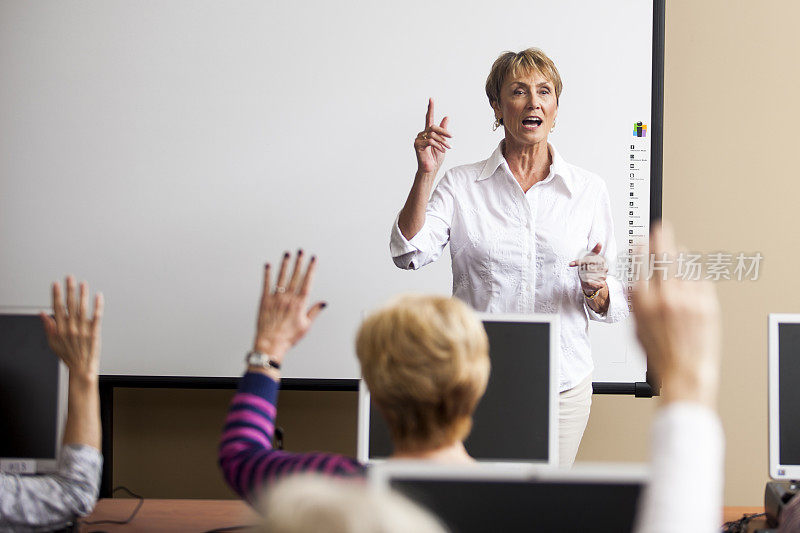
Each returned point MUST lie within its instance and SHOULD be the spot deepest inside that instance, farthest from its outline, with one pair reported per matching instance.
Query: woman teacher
(528, 232)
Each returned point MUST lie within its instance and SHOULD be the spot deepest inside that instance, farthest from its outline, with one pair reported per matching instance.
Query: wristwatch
(261, 359)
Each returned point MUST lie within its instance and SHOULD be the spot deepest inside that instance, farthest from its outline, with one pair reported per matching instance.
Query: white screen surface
(165, 151)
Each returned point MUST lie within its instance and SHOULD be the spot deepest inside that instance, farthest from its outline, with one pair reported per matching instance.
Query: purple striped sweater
(246, 456)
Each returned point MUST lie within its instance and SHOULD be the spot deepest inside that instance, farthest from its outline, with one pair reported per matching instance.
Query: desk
(735, 513)
(170, 515)
(203, 515)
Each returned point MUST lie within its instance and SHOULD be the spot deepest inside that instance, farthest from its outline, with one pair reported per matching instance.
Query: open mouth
(532, 122)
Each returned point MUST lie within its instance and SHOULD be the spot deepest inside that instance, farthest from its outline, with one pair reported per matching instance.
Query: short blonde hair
(306, 502)
(528, 61)
(425, 360)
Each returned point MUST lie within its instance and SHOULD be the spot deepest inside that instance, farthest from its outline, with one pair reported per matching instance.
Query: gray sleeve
(28, 502)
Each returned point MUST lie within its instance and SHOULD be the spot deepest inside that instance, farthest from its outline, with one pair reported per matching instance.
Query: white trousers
(573, 414)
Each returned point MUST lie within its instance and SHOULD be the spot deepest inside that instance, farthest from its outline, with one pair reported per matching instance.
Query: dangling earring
(554, 126)
(497, 123)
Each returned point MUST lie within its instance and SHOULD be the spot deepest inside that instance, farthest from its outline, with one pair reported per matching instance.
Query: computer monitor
(478, 498)
(517, 418)
(33, 394)
(784, 396)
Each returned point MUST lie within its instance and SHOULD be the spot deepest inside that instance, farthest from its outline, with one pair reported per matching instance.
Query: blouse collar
(558, 168)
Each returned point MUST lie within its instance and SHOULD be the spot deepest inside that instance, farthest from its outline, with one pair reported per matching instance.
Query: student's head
(324, 505)
(425, 360)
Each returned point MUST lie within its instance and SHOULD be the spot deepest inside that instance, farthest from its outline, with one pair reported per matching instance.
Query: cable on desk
(119, 522)
(740, 525)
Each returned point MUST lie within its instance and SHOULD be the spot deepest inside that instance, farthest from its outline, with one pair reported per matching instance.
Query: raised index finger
(429, 114)
(668, 250)
(656, 252)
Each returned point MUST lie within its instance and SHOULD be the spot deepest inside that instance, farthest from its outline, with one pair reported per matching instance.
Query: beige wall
(730, 183)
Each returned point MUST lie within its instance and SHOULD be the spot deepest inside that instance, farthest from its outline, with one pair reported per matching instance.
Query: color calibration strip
(638, 205)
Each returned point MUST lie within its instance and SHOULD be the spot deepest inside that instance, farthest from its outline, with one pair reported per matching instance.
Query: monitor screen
(789, 392)
(29, 389)
(512, 420)
(533, 505)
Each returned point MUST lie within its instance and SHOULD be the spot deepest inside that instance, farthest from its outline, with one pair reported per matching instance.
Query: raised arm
(74, 335)
(430, 146)
(422, 228)
(678, 324)
(246, 455)
(52, 500)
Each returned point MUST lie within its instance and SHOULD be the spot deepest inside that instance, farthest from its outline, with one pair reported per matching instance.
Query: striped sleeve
(246, 455)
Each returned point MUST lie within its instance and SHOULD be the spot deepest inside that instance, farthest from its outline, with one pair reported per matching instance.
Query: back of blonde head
(425, 360)
(323, 505)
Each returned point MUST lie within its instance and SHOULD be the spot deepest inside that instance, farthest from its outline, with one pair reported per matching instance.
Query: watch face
(255, 359)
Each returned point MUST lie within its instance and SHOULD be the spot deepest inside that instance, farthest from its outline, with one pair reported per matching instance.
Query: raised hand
(431, 144)
(678, 324)
(283, 316)
(74, 334)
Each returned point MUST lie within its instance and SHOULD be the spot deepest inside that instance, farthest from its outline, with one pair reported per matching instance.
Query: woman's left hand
(592, 270)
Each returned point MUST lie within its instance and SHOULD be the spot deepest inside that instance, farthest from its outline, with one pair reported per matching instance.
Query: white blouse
(511, 250)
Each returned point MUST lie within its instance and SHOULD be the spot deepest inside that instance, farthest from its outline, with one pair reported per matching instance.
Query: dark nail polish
(324, 305)
(286, 255)
(299, 251)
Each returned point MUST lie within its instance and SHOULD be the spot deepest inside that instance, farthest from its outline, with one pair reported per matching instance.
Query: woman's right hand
(283, 316)
(431, 144)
